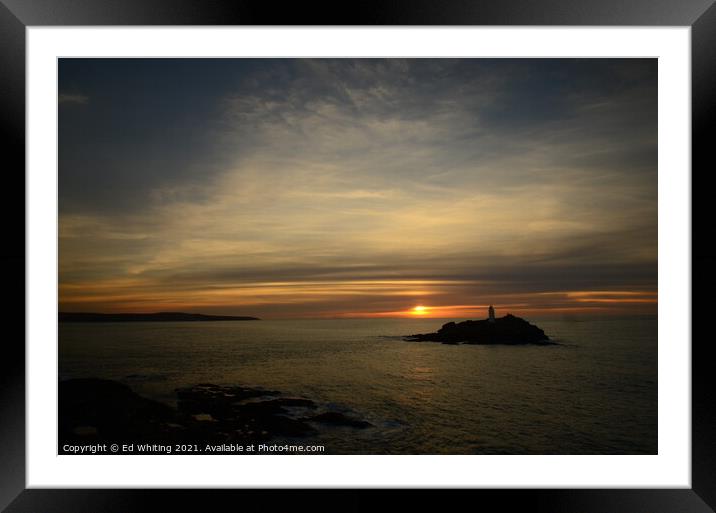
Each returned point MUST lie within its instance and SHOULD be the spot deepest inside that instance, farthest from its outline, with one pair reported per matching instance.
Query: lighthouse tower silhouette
(491, 314)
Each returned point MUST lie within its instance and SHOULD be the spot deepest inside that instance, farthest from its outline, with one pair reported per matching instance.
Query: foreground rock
(102, 409)
(97, 410)
(240, 413)
(509, 330)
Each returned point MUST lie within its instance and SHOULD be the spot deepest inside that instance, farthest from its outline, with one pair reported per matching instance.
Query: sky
(323, 188)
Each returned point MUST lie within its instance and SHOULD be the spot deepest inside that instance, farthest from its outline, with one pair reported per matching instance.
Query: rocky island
(508, 330)
(148, 317)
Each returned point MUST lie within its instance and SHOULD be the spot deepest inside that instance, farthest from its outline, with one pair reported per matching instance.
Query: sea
(595, 392)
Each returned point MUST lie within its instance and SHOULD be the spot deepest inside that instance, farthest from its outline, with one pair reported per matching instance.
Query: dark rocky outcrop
(147, 317)
(98, 410)
(244, 412)
(509, 330)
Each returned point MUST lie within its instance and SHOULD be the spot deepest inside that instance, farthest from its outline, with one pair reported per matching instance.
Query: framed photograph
(417, 248)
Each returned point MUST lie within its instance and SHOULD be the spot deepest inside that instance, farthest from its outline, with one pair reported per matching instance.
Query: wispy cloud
(360, 187)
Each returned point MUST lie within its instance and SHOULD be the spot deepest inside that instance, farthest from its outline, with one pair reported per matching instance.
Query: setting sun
(419, 310)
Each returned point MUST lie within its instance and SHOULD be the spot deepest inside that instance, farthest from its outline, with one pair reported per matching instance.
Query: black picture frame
(17, 15)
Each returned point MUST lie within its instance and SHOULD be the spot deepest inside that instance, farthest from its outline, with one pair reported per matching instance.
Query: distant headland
(508, 330)
(148, 317)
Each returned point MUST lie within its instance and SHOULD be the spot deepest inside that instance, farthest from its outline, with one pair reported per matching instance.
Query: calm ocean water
(596, 393)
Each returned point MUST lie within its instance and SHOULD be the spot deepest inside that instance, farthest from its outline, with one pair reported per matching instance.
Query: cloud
(337, 186)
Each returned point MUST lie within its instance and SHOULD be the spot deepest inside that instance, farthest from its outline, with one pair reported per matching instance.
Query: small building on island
(491, 314)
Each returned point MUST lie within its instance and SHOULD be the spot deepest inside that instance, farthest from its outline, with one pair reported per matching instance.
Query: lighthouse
(491, 314)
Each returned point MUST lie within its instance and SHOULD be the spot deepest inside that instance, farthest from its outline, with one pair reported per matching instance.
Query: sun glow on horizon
(359, 188)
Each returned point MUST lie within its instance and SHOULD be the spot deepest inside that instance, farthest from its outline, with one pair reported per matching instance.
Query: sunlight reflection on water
(595, 394)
